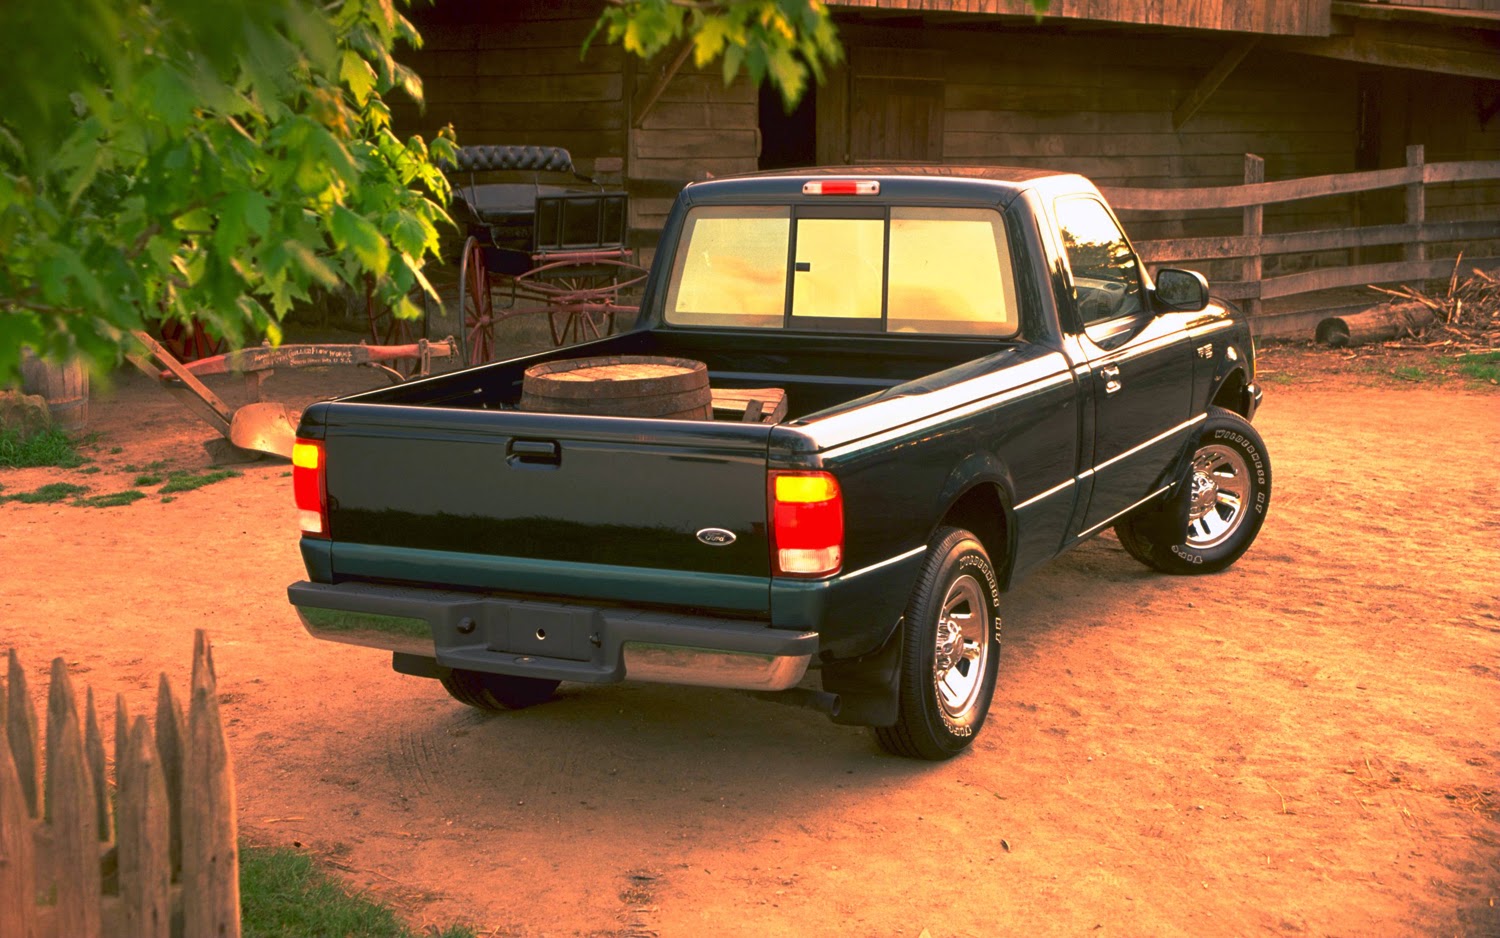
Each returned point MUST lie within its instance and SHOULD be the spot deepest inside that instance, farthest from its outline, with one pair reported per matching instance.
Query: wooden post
(169, 746)
(93, 744)
(20, 722)
(1416, 202)
(144, 829)
(1254, 226)
(17, 854)
(210, 855)
(71, 814)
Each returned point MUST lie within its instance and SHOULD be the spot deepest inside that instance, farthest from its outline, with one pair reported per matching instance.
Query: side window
(1106, 274)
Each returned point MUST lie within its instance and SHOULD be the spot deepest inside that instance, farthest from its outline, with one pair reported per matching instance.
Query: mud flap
(868, 686)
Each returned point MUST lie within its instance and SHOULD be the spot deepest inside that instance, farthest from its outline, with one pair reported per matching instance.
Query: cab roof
(989, 184)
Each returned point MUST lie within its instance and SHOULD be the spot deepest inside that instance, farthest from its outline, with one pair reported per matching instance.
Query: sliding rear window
(935, 271)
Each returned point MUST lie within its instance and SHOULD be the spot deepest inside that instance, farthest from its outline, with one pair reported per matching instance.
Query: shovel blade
(264, 428)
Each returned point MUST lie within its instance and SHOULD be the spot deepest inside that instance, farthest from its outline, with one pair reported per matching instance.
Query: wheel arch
(1229, 390)
(984, 510)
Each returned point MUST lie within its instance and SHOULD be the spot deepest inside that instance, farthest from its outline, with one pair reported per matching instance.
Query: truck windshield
(936, 271)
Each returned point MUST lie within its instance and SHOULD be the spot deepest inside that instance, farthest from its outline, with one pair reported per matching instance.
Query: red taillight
(310, 486)
(841, 187)
(807, 524)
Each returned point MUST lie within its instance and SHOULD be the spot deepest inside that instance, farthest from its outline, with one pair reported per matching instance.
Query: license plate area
(547, 630)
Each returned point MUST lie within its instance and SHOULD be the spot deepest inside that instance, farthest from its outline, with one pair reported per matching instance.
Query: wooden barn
(1164, 95)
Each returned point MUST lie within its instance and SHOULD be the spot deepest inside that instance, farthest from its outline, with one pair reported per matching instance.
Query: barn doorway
(787, 140)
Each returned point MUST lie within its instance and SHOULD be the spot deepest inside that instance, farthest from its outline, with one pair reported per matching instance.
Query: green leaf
(355, 233)
(409, 235)
(357, 75)
(311, 264)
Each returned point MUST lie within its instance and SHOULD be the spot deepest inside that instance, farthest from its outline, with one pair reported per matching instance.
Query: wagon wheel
(188, 341)
(582, 298)
(387, 329)
(476, 305)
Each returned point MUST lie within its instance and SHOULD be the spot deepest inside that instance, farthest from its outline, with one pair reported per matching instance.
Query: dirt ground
(1305, 744)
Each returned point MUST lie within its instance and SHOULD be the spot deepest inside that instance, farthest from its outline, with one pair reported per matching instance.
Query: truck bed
(818, 373)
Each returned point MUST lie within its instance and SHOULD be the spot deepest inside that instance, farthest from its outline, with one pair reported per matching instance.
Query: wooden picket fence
(1253, 245)
(163, 862)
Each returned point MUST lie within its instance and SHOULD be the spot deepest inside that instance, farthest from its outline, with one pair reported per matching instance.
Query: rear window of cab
(905, 269)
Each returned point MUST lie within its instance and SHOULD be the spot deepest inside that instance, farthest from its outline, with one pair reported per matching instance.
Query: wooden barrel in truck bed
(620, 386)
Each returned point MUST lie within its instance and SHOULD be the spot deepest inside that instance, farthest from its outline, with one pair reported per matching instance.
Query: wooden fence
(1252, 246)
(163, 862)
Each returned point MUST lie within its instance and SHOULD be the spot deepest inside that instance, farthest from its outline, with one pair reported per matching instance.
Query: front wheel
(1220, 510)
(950, 651)
(494, 692)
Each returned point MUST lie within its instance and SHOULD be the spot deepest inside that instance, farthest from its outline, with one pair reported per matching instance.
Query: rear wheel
(950, 653)
(493, 692)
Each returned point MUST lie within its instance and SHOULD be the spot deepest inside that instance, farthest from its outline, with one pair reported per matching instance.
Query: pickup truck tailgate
(586, 507)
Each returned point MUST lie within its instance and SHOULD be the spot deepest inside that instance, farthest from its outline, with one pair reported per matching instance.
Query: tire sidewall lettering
(978, 566)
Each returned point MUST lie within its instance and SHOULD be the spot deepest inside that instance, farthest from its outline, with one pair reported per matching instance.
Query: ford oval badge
(716, 537)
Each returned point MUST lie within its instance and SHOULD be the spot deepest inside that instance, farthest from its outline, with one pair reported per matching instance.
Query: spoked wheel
(386, 328)
(582, 298)
(1218, 513)
(188, 342)
(476, 306)
(950, 653)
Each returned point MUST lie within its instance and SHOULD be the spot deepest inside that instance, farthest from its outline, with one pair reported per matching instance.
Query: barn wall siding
(1277, 17)
(1071, 95)
(512, 73)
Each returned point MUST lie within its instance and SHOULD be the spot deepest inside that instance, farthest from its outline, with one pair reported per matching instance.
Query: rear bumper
(567, 642)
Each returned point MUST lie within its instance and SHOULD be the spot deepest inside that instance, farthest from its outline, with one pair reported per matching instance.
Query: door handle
(1111, 376)
(522, 454)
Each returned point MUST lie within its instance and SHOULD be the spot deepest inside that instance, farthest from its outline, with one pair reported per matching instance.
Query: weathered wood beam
(661, 84)
(1458, 50)
(1211, 82)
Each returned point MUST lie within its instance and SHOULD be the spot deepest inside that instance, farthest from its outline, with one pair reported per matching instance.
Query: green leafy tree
(172, 159)
(781, 41)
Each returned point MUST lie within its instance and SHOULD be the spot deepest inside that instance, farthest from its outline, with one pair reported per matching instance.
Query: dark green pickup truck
(979, 376)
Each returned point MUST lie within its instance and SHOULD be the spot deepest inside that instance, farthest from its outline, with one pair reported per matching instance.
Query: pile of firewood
(1466, 317)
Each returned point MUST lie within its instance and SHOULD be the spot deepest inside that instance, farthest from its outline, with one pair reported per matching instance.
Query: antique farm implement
(266, 426)
(550, 249)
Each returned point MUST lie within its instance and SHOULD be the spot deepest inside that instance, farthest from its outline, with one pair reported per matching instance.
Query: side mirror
(1185, 291)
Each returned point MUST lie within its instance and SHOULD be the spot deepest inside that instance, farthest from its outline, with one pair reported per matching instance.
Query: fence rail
(1252, 246)
(163, 861)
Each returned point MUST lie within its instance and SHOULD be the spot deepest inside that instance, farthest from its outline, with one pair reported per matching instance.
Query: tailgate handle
(537, 453)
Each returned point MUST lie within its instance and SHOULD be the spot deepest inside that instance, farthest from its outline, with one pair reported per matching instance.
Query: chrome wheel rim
(961, 651)
(1220, 490)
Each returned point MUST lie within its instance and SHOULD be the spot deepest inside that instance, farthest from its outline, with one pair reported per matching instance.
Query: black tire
(930, 724)
(1222, 504)
(494, 692)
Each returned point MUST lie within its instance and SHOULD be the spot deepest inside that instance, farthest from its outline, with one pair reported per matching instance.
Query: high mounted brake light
(841, 187)
(310, 486)
(807, 524)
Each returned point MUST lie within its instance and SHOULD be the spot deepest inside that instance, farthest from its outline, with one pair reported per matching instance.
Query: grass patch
(48, 494)
(1413, 373)
(283, 894)
(148, 479)
(186, 481)
(155, 466)
(168, 498)
(1480, 366)
(112, 500)
(116, 450)
(89, 471)
(50, 448)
